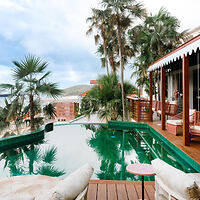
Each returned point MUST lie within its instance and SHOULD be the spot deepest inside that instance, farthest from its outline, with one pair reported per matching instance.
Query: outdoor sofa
(174, 184)
(39, 187)
(175, 124)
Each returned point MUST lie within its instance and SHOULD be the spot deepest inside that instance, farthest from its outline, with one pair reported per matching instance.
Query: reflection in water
(117, 149)
(30, 159)
(114, 148)
(108, 151)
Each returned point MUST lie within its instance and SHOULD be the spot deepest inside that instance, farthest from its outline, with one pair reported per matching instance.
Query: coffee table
(141, 169)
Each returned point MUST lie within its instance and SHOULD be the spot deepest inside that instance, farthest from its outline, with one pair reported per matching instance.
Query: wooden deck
(193, 150)
(119, 190)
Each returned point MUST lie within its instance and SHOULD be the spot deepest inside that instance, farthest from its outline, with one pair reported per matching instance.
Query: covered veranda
(183, 58)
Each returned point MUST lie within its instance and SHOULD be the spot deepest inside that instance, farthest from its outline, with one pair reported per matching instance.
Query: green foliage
(49, 170)
(50, 155)
(39, 162)
(49, 111)
(31, 81)
(105, 99)
(152, 39)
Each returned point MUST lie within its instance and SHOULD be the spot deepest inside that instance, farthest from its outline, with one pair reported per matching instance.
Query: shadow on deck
(119, 190)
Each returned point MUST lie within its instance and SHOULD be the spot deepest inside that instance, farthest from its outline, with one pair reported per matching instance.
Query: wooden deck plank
(101, 192)
(138, 187)
(121, 192)
(92, 191)
(112, 191)
(150, 191)
(192, 150)
(131, 192)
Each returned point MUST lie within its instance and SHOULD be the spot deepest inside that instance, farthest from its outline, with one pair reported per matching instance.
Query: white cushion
(173, 102)
(75, 183)
(196, 177)
(159, 112)
(191, 111)
(26, 187)
(174, 179)
(195, 127)
(39, 187)
(175, 122)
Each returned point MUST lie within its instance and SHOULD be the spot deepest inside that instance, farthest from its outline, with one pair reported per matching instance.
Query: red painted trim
(177, 49)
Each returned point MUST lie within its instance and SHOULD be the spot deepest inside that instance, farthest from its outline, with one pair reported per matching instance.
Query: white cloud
(5, 74)
(186, 11)
(46, 26)
(57, 27)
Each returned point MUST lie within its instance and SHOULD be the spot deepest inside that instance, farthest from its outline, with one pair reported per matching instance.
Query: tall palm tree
(99, 21)
(157, 36)
(122, 11)
(31, 72)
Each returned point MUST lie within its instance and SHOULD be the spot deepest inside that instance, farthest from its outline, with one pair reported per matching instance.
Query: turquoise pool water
(69, 147)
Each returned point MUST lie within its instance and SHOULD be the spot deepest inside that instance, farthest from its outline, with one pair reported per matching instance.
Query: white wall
(172, 84)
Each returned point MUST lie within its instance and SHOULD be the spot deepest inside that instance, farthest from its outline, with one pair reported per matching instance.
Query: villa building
(65, 111)
(179, 85)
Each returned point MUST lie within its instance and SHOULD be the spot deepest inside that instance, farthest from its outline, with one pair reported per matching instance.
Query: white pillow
(75, 183)
(175, 179)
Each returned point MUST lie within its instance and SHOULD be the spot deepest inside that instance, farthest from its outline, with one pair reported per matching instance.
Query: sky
(55, 31)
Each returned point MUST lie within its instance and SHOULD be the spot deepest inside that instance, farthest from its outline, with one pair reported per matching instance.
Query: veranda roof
(187, 48)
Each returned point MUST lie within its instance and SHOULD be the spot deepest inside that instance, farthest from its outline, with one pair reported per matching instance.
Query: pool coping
(120, 125)
(25, 138)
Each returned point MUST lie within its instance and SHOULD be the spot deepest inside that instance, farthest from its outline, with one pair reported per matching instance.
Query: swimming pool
(108, 150)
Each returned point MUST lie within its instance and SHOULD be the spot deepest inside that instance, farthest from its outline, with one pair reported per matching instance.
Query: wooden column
(132, 108)
(138, 111)
(185, 69)
(150, 96)
(163, 98)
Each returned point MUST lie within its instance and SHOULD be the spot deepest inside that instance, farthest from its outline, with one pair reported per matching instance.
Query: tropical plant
(30, 72)
(13, 109)
(31, 160)
(105, 99)
(152, 39)
(123, 12)
(49, 111)
(110, 146)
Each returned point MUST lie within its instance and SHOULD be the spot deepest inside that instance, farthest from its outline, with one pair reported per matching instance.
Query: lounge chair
(195, 127)
(172, 183)
(170, 109)
(173, 109)
(175, 125)
(39, 187)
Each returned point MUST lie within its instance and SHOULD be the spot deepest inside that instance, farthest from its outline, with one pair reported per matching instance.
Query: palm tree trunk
(122, 70)
(106, 55)
(112, 63)
(31, 111)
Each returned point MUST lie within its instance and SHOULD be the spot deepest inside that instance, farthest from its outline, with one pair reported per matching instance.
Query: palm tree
(157, 36)
(14, 103)
(105, 99)
(99, 21)
(49, 111)
(122, 11)
(30, 72)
